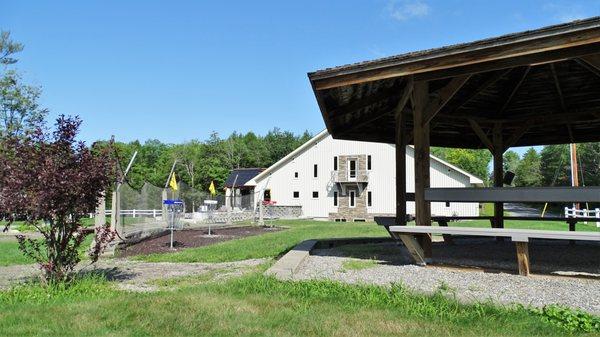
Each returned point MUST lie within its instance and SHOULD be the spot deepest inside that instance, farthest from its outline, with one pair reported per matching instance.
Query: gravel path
(466, 285)
(137, 275)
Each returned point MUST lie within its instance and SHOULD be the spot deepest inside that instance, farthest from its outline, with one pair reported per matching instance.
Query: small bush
(569, 319)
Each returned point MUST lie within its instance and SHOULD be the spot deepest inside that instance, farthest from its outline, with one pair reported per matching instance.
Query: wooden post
(523, 258)
(116, 211)
(400, 169)
(100, 216)
(421, 140)
(498, 173)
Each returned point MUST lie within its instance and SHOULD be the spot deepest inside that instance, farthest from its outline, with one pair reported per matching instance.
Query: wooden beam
(385, 94)
(443, 96)
(404, 97)
(587, 65)
(421, 159)
(523, 257)
(442, 64)
(558, 90)
(481, 134)
(493, 78)
(414, 248)
(514, 138)
(514, 90)
(401, 139)
(498, 152)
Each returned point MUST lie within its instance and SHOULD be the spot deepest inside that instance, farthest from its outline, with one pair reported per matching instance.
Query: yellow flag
(173, 182)
(212, 189)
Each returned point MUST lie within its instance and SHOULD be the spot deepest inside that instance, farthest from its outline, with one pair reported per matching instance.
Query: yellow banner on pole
(212, 189)
(173, 182)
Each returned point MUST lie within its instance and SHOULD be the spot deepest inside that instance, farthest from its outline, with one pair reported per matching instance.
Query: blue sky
(176, 70)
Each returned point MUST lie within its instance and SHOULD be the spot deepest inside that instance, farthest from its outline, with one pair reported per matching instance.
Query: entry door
(352, 169)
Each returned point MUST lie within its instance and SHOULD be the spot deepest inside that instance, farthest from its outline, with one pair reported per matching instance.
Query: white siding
(282, 183)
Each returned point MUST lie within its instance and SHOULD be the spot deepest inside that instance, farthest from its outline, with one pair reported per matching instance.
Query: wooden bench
(521, 238)
(443, 221)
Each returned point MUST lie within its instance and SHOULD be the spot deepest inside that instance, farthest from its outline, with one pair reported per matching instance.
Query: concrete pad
(290, 262)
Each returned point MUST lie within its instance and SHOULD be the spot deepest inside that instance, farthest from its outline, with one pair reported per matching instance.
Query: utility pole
(574, 169)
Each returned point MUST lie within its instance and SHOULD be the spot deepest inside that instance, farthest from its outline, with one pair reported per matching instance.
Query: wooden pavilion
(536, 87)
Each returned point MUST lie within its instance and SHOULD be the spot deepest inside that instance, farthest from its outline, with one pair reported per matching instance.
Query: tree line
(200, 162)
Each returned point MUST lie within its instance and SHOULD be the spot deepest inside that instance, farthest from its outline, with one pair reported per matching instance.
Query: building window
(352, 169)
(315, 171)
(296, 175)
(335, 163)
(267, 195)
(369, 199)
(296, 194)
(315, 194)
(447, 204)
(369, 162)
(352, 201)
(335, 198)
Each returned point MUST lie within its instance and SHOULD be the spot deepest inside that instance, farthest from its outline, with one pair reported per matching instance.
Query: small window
(296, 194)
(315, 171)
(335, 198)
(369, 162)
(351, 200)
(447, 204)
(369, 199)
(335, 163)
(315, 194)
(296, 175)
(352, 170)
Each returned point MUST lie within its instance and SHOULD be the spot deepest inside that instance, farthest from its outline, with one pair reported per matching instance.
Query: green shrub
(569, 319)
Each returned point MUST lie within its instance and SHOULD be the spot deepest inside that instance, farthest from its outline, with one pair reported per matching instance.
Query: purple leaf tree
(50, 180)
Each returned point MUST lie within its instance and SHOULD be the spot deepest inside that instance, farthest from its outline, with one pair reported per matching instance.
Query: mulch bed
(190, 238)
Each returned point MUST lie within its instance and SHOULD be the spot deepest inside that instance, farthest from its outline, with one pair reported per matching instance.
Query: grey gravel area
(393, 266)
(137, 275)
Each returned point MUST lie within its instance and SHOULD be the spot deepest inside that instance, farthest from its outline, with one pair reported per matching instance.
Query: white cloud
(408, 9)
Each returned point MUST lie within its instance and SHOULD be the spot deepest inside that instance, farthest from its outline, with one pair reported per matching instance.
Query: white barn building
(350, 180)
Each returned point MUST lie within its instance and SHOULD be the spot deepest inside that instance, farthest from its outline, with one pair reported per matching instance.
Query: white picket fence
(583, 213)
(136, 213)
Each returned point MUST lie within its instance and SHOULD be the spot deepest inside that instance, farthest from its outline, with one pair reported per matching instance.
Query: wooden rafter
(404, 97)
(514, 138)
(444, 95)
(590, 64)
(514, 90)
(481, 134)
(558, 89)
(347, 109)
(486, 84)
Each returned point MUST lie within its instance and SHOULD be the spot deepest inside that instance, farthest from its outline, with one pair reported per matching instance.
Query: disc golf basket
(211, 206)
(175, 210)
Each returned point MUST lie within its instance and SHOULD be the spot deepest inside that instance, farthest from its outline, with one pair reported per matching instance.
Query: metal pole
(172, 223)
(170, 173)
(231, 200)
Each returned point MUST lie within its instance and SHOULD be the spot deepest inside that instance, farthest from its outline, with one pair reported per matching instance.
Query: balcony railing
(348, 176)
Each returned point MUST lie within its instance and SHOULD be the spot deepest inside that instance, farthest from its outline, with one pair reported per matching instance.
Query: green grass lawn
(277, 243)
(11, 255)
(255, 305)
(271, 244)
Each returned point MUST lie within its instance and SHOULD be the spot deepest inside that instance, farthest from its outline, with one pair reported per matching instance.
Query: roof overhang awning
(537, 87)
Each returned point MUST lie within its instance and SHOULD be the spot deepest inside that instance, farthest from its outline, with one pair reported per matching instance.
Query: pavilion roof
(537, 87)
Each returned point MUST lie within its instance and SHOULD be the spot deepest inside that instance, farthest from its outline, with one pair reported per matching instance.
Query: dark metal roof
(540, 87)
(243, 176)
